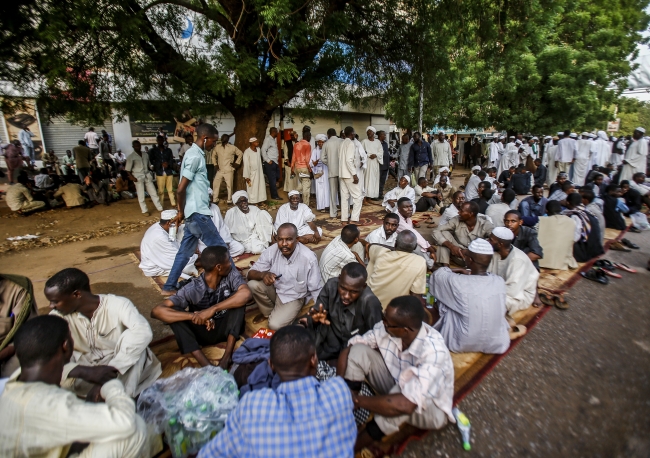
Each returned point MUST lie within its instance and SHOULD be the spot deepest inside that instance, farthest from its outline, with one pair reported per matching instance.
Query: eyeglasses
(389, 326)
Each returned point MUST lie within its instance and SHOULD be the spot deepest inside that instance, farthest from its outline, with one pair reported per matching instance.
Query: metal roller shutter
(60, 135)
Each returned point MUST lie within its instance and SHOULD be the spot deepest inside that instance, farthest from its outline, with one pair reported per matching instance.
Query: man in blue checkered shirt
(300, 418)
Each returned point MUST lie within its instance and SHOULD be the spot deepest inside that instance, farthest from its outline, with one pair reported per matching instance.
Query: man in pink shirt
(424, 248)
(300, 165)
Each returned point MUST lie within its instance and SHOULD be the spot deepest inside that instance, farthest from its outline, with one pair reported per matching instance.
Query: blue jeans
(197, 227)
(272, 171)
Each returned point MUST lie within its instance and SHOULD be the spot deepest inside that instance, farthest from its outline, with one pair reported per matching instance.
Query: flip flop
(618, 246)
(626, 268)
(547, 299)
(595, 275)
(605, 264)
(611, 274)
(561, 303)
(629, 244)
(517, 331)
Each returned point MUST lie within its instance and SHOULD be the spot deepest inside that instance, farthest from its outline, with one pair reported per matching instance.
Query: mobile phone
(278, 276)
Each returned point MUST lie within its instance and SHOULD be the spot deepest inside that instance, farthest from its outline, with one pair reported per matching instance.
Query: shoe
(618, 246)
(560, 303)
(259, 318)
(517, 331)
(634, 229)
(629, 244)
(604, 264)
(596, 275)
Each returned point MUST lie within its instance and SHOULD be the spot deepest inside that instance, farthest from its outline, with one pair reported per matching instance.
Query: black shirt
(157, 157)
(526, 241)
(482, 204)
(521, 183)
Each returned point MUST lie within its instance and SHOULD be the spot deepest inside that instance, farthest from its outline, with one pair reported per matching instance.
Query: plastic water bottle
(463, 425)
(172, 232)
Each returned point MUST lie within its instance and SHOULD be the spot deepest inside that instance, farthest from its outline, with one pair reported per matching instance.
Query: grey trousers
(278, 313)
(443, 254)
(421, 172)
(367, 364)
(334, 195)
(425, 256)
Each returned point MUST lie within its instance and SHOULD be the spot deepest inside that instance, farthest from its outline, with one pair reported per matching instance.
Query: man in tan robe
(555, 236)
(224, 155)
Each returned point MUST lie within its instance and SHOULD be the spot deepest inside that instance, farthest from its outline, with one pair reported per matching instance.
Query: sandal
(626, 268)
(611, 274)
(618, 246)
(629, 244)
(561, 303)
(517, 331)
(547, 299)
(604, 264)
(595, 275)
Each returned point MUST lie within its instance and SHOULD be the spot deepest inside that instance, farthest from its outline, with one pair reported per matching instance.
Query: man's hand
(315, 162)
(372, 156)
(94, 374)
(319, 315)
(316, 236)
(456, 251)
(249, 182)
(94, 395)
(391, 202)
(432, 253)
(359, 260)
(209, 324)
(355, 179)
(200, 318)
(268, 278)
(165, 165)
(625, 162)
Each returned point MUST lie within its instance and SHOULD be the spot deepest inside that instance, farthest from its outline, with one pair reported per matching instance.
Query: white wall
(122, 135)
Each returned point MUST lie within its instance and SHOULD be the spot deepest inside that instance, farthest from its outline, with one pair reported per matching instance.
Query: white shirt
(449, 213)
(91, 139)
(567, 150)
(335, 256)
(378, 236)
(25, 138)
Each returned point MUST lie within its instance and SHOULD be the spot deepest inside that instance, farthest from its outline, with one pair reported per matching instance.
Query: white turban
(293, 193)
(560, 133)
(480, 246)
(476, 167)
(503, 233)
(237, 195)
(166, 215)
(443, 169)
(640, 129)
(603, 135)
(573, 135)
(518, 142)
(592, 136)
(534, 138)
(371, 128)
(585, 134)
(321, 138)
(252, 139)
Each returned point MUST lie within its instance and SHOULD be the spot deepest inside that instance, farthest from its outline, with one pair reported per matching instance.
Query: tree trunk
(249, 122)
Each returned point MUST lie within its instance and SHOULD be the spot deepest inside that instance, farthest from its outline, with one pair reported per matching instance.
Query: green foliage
(633, 113)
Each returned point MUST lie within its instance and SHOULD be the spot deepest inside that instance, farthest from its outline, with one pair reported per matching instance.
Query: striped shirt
(335, 256)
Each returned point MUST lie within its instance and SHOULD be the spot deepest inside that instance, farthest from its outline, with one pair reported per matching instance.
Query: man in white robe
(249, 225)
(235, 248)
(550, 162)
(321, 175)
(583, 159)
(375, 158)
(600, 150)
(493, 152)
(441, 151)
(111, 338)
(361, 164)
(330, 157)
(567, 150)
(395, 194)
(253, 173)
(157, 252)
(635, 156)
(509, 152)
(350, 181)
(301, 216)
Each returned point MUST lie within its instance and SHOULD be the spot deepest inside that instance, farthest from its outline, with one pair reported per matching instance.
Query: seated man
(595, 207)
(505, 178)
(443, 172)
(632, 198)
(561, 194)
(533, 206)
(562, 178)
(556, 233)
(539, 177)
(445, 191)
(452, 210)
(484, 195)
(412, 373)
(124, 186)
(497, 211)
(249, 225)
(471, 190)
(346, 307)
(340, 252)
(43, 180)
(518, 271)
(41, 419)
(424, 248)
(234, 247)
(72, 194)
(397, 272)
(587, 237)
(613, 208)
(459, 232)
(521, 181)
(111, 338)
(525, 237)
(387, 233)
(157, 252)
(208, 310)
(638, 183)
(17, 305)
(283, 278)
(475, 320)
(19, 198)
(301, 216)
(425, 197)
(302, 417)
(402, 190)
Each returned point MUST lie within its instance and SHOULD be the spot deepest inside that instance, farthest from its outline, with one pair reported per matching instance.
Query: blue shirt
(301, 418)
(193, 168)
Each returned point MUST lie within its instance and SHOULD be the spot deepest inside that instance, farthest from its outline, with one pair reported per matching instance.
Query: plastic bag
(190, 407)
(640, 221)
(414, 181)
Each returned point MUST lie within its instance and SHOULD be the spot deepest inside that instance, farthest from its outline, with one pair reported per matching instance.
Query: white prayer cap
(480, 246)
(585, 134)
(518, 142)
(321, 138)
(252, 139)
(534, 138)
(238, 195)
(476, 167)
(640, 129)
(371, 128)
(512, 136)
(573, 135)
(592, 136)
(443, 169)
(441, 132)
(560, 133)
(548, 137)
(166, 215)
(293, 193)
(503, 233)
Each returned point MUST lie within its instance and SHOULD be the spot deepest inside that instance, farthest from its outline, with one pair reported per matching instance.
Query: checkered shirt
(301, 418)
(335, 256)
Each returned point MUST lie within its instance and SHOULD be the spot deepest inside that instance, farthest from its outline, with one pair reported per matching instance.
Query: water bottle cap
(467, 446)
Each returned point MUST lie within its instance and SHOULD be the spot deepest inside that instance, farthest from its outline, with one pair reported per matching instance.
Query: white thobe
(322, 182)
(372, 170)
(299, 218)
(117, 336)
(581, 164)
(549, 161)
(521, 278)
(157, 253)
(510, 158)
(253, 229)
(396, 194)
(442, 155)
(494, 153)
(600, 152)
(361, 163)
(235, 248)
(253, 171)
(635, 156)
(567, 149)
(449, 213)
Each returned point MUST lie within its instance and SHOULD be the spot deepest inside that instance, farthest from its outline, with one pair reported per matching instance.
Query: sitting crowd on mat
(368, 343)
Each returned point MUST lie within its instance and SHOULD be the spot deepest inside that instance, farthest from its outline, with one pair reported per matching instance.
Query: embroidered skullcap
(166, 215)
(252, 139)
(503, 233)
(238, 195)
(293, 193)
(480, 246)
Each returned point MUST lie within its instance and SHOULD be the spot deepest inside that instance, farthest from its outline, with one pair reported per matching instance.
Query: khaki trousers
(304, 185)
(278, 313)
(349, 189)
(564, 167)
(162, 182)
(32, 206)
(366, 364)
(443, 254)
(334, 195)
(142, 442)
(222, 175)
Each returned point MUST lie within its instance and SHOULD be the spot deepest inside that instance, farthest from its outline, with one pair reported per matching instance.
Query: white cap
(238, 195)
(321, 138)
(518, 142)
(476, 167)
(573, 135)
(293, 193)
(168, 214)
(252, 139)
(640, 129)
(585, 134)
(503, 233)
(371, 128)
(560, 133)
(534, 138)
(480, 246)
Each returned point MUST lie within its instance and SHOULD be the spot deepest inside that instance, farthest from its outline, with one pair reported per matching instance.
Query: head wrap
(321, 138)
(512, 136)
(293, 193)
(534, 138)
(592, 136)
(573, 135)
(518, 142)
(441, 132)
(503, 233)
(476, 167)
(239, 194)
(443, 169)
(585, 134)
(252, 139)
(640, 129)
(603, 135)
(166, 215)
(371, 128)
(480, 246)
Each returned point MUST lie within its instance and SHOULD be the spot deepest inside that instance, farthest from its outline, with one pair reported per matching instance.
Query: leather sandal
(561, 303)
(517, 331)
(618, 246)
(547, 299)
(629, 244)
(595, 275)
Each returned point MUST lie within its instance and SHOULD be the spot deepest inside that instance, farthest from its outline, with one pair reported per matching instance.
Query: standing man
(105, 154)
(404, 166)
(14, 159)
(137, 166)
(162, 158)
(330, 157)
(442, 156)
(349, 180)
(194, 205)
(375, 153)
(420, 156)
(25, 137)
(567, 150)
(223, 156)
(635, 156)
(385, 164)
(270, 161)
(92, 141)
(82, 157)
(253, 172)
(189, 139)
(493, 152)
(582, 160)
(300, 165)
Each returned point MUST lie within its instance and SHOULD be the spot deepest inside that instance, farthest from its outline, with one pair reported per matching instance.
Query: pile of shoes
(604, 268)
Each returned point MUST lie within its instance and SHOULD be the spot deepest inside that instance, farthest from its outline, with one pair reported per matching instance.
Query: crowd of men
(368, 343)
